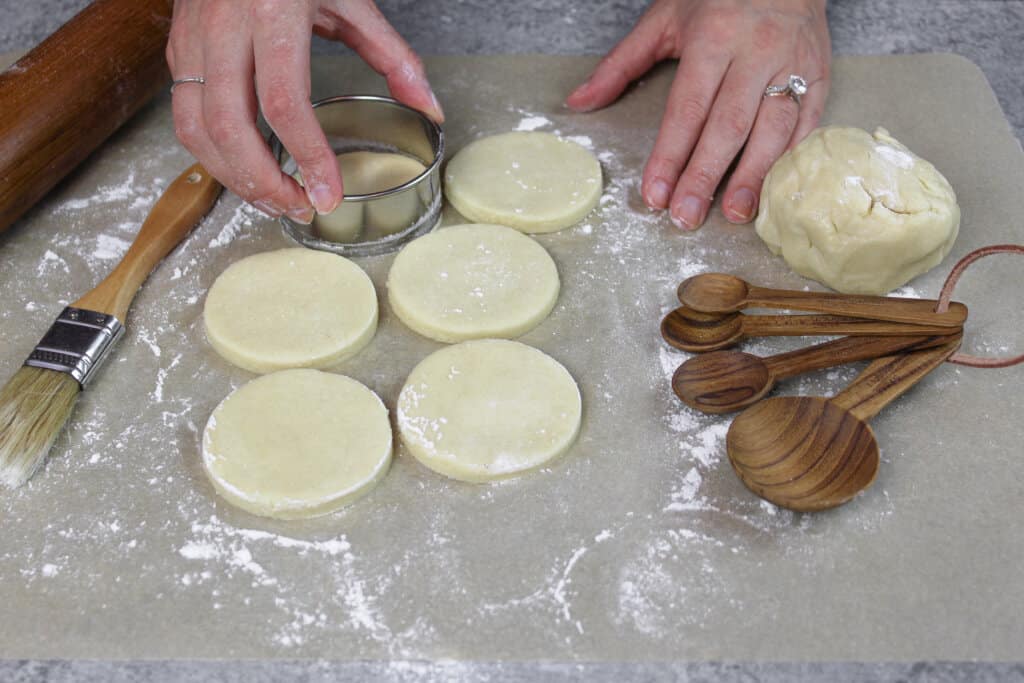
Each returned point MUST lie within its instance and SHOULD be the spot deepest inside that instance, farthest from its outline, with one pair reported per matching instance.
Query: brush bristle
(34, 406)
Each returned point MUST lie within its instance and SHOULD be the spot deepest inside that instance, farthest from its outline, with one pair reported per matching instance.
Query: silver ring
(188, 79)
(794, 88)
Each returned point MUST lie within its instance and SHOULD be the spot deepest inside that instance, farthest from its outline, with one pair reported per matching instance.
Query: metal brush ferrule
(77, 343)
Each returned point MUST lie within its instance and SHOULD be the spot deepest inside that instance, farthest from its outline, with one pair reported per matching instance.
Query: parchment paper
(639, 545)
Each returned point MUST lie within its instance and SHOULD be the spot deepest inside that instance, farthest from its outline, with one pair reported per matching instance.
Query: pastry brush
(38, 400)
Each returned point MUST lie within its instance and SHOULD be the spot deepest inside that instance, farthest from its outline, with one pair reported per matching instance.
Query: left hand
(729, 51)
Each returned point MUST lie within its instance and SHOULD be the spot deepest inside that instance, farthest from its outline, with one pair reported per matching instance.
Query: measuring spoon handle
(889, 377)
(832, 325)
(844, 350)
(920, 311)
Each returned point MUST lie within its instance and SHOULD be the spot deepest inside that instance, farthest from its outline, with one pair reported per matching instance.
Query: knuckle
(216, 14)
(780, 120)
(767, 34)
(690, 113)
(735, 120)
(188, 131)
(268, 11)
(721, 23)
(224, 129)
(703, 176)
(281, 104)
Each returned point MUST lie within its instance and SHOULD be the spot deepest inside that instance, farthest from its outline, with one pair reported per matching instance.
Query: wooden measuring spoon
(726, 381)
(722, 293)
(810, 453)
(701, 332)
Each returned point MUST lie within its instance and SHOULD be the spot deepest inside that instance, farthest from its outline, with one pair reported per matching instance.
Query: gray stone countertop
(988, 32)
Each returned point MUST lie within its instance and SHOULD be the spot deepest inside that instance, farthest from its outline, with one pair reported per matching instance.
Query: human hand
(729, 52)
(230, 42)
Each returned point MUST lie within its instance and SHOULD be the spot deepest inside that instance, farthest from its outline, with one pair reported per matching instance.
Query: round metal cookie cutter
(377, 222)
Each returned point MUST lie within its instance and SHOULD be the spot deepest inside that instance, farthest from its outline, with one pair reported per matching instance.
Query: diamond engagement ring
(188, 79)
(795, 87)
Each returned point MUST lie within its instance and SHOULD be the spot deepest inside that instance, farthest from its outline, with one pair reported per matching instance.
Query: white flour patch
(581, 140)
(241, 220)
(110, 247)
(530, 123)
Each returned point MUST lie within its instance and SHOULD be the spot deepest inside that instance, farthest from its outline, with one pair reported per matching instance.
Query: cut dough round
(534, 182)
(488, 409)
(858, 212)
(290, 308)
(473, 281)
(297, 443)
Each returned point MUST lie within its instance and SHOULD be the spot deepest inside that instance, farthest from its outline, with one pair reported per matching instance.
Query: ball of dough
(290, 308)
(534, 182)
(488, 409)
(473, 281)
(858, 212)
(297, 443)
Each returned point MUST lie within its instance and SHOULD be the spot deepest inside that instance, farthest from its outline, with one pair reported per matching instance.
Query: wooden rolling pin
(63, 99)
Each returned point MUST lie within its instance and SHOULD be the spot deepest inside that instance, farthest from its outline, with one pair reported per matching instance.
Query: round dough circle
(473, 281)
(534, 182)
(488, 409)
(297, 444)
(858, 212)
(290, 308)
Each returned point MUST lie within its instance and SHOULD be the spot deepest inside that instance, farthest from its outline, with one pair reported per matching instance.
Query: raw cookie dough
(297, 443)
(488, 409)
(858, 212)
(290, 308)
(534, 182)
(472, 281)
(365, 173)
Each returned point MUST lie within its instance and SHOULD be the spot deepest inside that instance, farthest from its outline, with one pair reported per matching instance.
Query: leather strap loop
(947, 294)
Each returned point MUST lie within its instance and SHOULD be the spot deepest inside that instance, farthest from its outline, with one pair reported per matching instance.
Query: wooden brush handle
(176, 212)
(845, 350)
(918, 311)
(831, 325)
(888, 378)
(63, 99)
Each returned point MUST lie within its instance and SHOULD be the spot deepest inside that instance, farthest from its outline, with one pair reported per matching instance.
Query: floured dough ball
(291, 308)
(488, 409)
(297, 443)
(858, 212)
(533, 182)
(473, 281)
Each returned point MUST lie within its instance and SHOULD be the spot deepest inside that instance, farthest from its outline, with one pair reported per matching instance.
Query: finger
(641, 49)
(812, 106)
(229, 115)
(364, 29)
(773, 128)
(186, 54)
(281, 44)
(728, 125)
(689, 101)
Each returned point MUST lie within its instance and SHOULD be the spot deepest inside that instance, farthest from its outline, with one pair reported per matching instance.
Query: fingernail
(267, 207)
(437, 105)
(321, 199)
(741, 206)
(658, 194)
(690, 212)
(579, 90)
(304, 216)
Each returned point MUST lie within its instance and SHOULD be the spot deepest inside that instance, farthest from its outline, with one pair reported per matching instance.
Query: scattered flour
(653, 570)
(529, 123)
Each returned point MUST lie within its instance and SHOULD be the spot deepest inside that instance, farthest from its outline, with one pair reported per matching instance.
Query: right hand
(228, 42)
